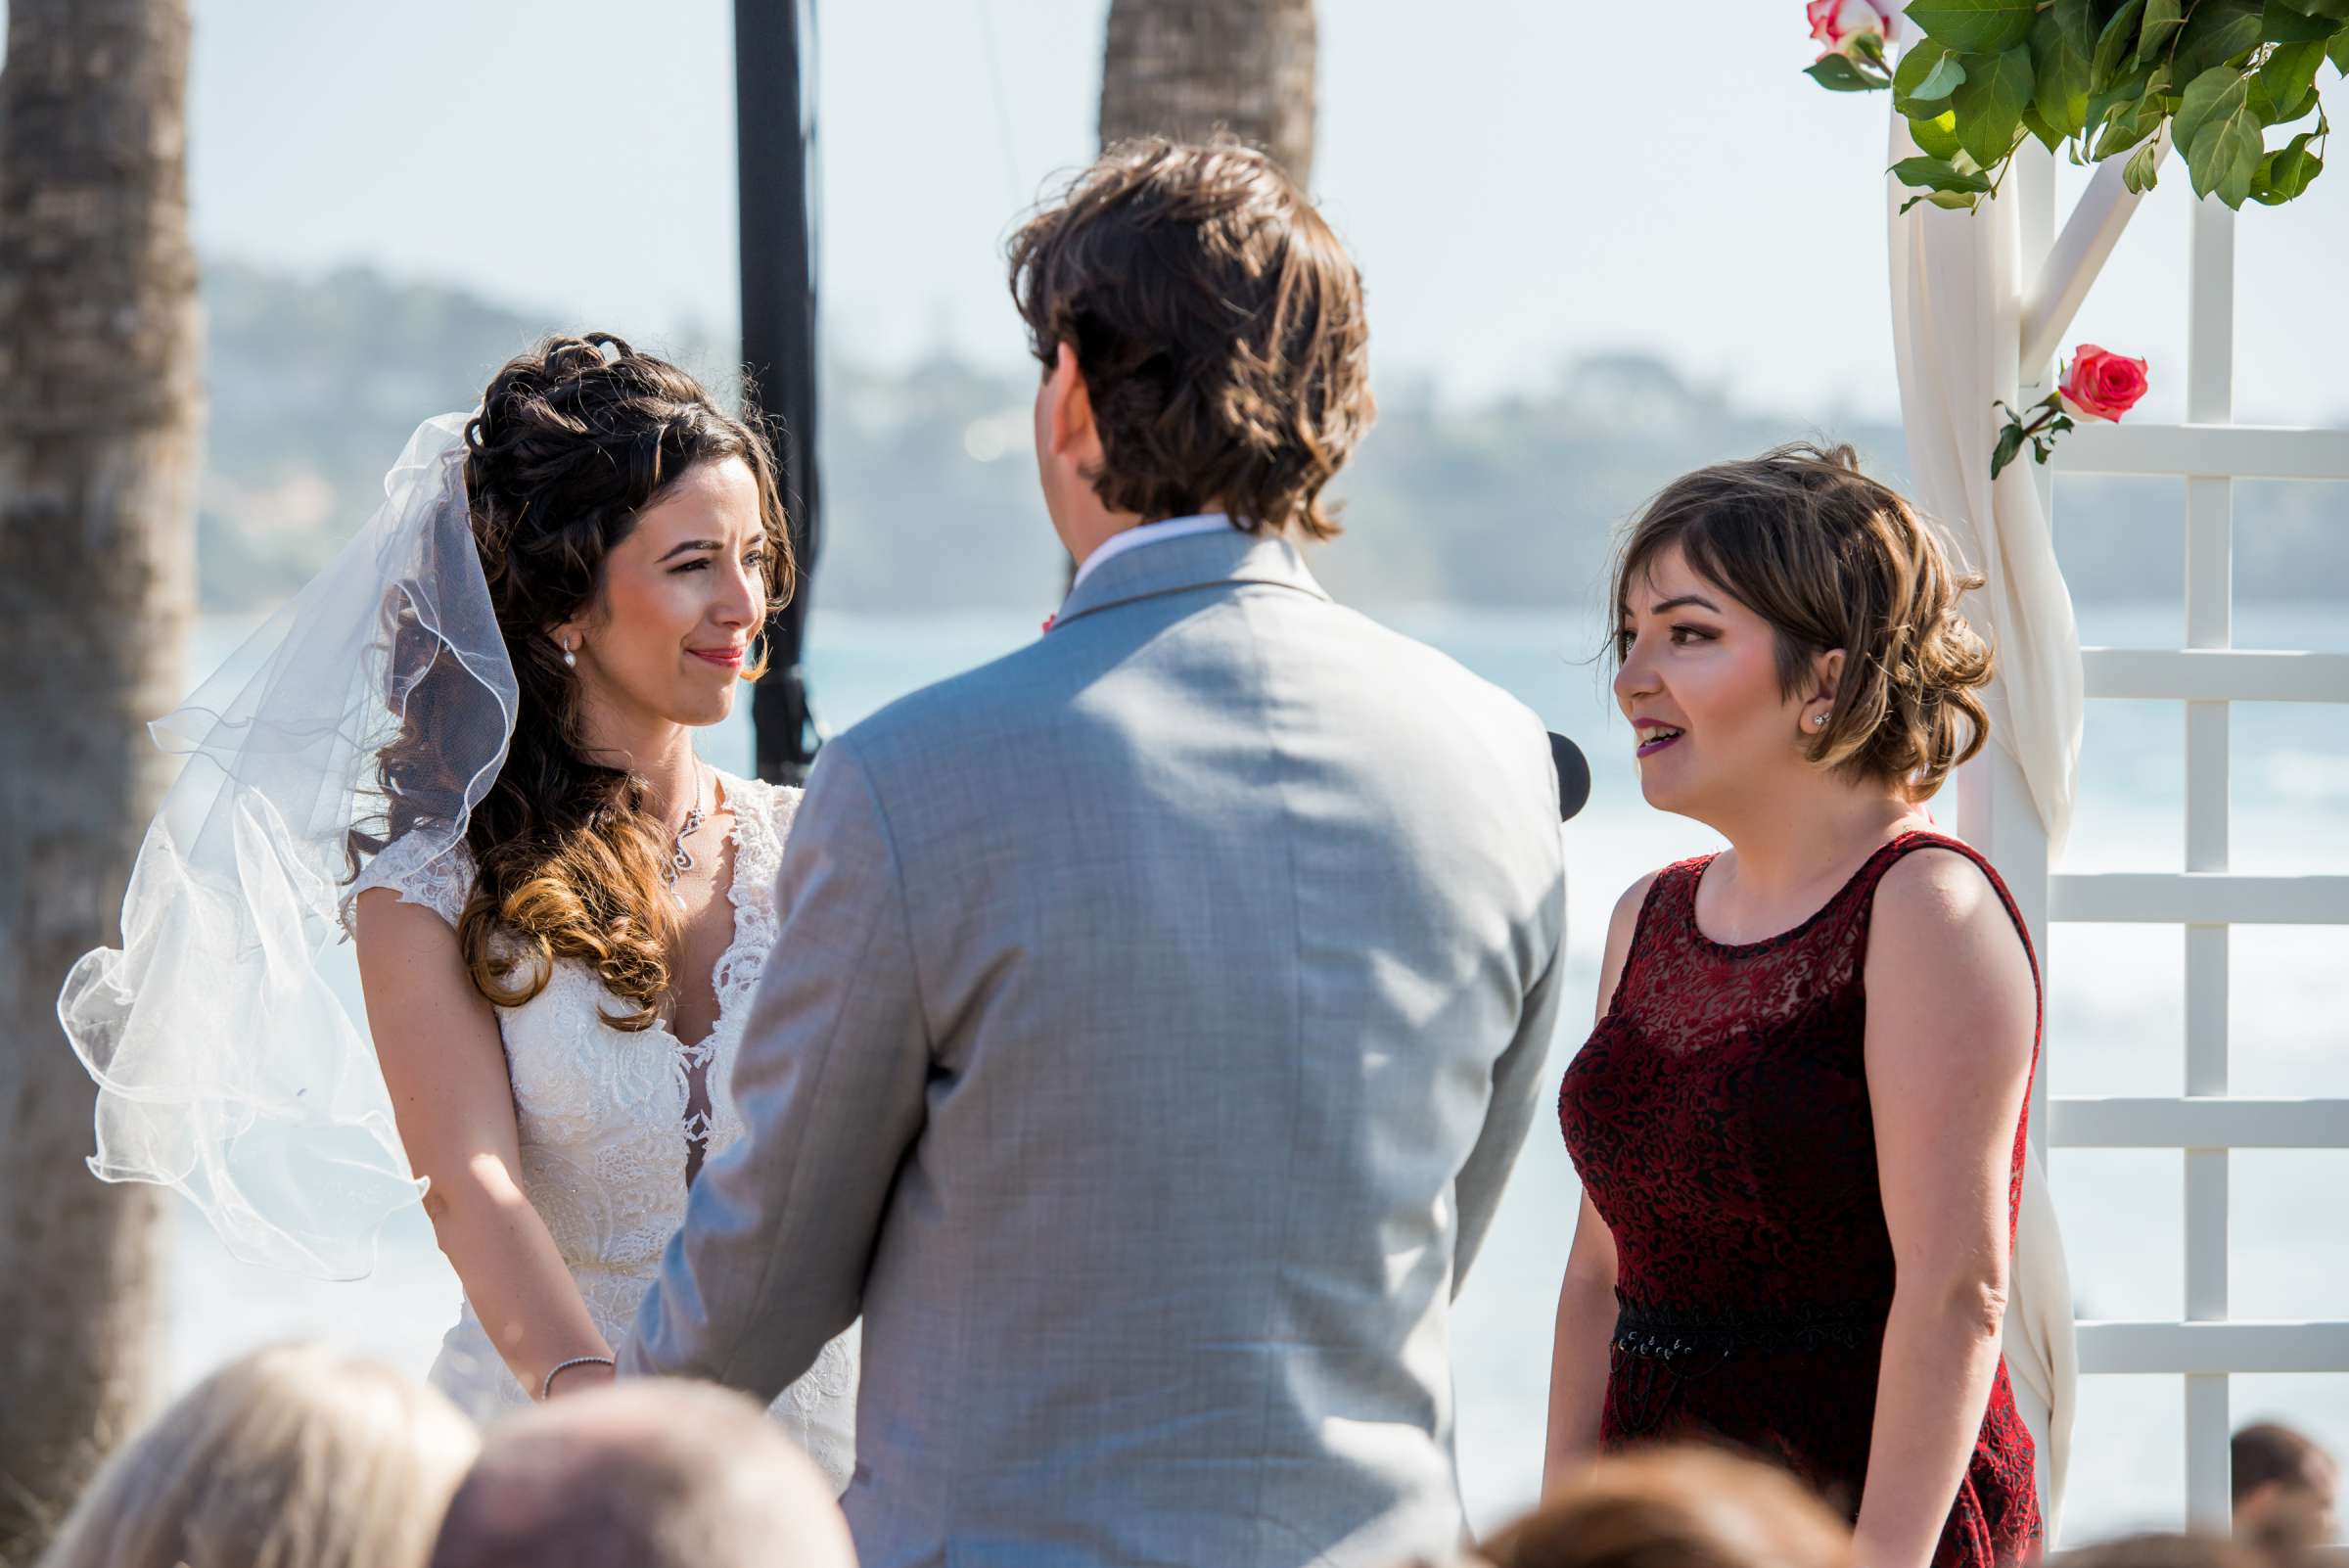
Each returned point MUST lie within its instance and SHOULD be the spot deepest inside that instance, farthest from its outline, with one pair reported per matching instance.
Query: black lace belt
(1656, 1351)
(1650, 1333)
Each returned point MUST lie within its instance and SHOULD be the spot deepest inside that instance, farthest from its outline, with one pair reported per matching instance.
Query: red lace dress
(1719, 1118)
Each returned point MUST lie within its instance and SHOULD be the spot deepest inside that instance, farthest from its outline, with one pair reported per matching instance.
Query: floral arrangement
(2094, 386)
(2102, 77)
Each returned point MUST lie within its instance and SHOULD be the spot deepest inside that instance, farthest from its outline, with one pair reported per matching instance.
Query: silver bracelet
(546, 1388)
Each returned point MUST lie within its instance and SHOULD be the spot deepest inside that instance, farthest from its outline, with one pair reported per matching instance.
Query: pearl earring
(571, 660)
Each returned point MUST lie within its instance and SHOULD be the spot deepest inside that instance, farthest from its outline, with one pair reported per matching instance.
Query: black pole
(775, 140)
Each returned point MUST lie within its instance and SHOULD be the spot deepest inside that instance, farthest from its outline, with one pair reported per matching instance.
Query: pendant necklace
(680, 859)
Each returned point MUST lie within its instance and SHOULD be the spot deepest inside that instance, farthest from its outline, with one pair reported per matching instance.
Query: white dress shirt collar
(1141, 534)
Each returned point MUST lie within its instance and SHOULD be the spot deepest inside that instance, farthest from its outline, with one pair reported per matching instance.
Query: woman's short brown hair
(1218, 325)
(1833, 559)
(1675, 1507)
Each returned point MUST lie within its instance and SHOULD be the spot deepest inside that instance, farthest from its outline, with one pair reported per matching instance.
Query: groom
(1157, 1010)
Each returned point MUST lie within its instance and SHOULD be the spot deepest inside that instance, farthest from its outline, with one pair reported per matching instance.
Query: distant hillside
(314, 384)
(930, 485)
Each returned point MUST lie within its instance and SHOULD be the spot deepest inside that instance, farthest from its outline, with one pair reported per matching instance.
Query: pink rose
(1837, 25)
(2101, 385)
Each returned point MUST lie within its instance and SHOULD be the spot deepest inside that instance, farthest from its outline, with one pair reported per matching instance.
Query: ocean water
(2114, 1027)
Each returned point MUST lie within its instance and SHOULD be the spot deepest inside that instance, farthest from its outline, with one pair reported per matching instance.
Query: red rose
(1837, 25)
(2101, 385)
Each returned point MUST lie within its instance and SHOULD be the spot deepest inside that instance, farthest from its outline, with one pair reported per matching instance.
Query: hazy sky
(1522, 180)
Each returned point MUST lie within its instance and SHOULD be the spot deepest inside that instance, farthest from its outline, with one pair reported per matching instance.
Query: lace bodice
(609, 1120)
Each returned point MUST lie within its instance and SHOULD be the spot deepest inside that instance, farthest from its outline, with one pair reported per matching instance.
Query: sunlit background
(1602, 243)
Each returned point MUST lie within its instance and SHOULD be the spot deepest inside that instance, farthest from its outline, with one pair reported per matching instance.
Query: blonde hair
(1677, 1507)
(293, 1457)
(1835, 560)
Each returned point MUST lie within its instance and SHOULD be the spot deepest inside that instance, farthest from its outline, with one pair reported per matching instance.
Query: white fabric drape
(1957, 309)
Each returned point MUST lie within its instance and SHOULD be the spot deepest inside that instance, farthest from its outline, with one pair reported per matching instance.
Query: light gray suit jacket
(1154, 1016)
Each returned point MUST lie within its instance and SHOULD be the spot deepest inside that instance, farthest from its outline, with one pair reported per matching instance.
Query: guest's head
(643, 1475)
(633, 545)
(2287, 1488)
(1675, 1507)
(1786, 627)
(297, 1456)
(1203, 344)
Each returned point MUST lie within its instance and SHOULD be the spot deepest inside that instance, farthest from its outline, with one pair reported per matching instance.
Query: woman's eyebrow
(1697, 599)
(690, 544)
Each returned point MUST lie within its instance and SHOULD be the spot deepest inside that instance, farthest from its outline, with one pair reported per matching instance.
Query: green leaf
(2143, 165)
(2338, 52)
(2286, 172)
(2226, 152)
(1942, 81)
(1838, 75)
(2132, 122)
(2309, 103)
(1990, 102)
(2163, 18)
(2123, 132)
(2058, 79)
(1924, 77)
(2219, 31)
(2284, 89)
(1974, 26)
(2216, 90)
(2294, 22)
(1937, 174)
(2078, 20)
(2119, 100)
(1954, 200)
(2010, 443)
(2116, 45)
(1936, 137)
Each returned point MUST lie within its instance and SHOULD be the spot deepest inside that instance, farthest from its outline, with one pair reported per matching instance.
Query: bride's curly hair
(574, 439)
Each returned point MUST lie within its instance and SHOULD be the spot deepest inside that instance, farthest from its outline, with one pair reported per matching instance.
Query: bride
(467, 744)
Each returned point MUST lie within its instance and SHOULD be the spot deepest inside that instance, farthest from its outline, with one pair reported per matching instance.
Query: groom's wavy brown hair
(1218, 322)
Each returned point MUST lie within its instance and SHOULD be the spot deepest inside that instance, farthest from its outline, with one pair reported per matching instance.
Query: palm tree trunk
(1189, 68)
(99, 413)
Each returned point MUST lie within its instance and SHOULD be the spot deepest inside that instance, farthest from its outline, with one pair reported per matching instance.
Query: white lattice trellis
(2206, 673)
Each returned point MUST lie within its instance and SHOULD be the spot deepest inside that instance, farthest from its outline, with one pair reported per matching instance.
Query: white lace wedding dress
(606, 1119)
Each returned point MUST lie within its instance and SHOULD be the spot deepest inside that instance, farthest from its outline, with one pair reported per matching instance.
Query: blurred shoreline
(315, 381)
